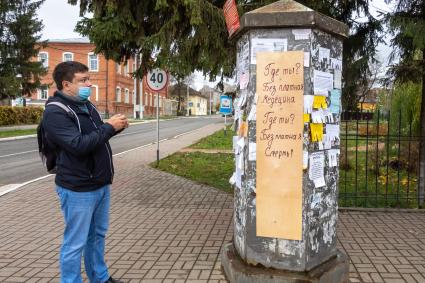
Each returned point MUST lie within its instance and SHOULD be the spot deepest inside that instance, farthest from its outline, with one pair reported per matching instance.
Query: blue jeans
(86, 216)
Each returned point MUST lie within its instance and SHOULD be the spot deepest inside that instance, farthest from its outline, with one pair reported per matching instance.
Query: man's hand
(118, 122)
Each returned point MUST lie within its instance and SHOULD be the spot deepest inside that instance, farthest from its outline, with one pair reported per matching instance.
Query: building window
(43, 93)
(118, 94)
(118, 67)
(126, 96)
(134, 98)
(126, 69)
(43, 57)
(95, 91)
(67, 56)
(199, 105)
(134, 68)
(93, 62)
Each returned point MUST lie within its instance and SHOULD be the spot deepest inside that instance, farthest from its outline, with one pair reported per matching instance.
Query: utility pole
(137, 100)
(210, 104)
(187, 102)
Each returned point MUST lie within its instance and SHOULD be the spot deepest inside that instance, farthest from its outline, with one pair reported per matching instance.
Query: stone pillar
(314, 257)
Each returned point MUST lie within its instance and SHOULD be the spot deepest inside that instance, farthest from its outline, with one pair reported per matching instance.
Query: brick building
(114, 88)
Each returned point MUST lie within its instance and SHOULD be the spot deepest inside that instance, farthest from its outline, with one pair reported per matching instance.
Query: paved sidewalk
(165, 228)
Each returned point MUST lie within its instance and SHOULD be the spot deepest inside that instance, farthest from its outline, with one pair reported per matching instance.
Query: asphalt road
(20, 162)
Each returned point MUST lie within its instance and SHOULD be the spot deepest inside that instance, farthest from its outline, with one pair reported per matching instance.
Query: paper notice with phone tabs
(317, 169)
(267, 45)
(323, 82)
(252, 155)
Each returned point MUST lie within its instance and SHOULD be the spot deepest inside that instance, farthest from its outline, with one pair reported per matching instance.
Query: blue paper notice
(335, 101)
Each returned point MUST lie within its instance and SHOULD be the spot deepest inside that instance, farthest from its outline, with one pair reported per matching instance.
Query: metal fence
(379, 161)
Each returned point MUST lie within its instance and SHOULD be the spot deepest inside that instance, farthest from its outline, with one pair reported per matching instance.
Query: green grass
(371, 186)
(210, 169)
(218, 140)
(14, 133)
(359, 186)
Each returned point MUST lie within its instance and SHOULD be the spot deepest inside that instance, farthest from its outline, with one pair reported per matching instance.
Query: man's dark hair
(65, 71)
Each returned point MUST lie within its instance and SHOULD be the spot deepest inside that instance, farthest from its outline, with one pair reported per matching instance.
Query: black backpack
(46, 149)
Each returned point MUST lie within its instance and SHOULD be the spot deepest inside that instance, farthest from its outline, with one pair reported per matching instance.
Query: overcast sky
(59, 19)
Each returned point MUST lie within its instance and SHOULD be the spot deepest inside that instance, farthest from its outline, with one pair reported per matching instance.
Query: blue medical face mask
(84, 92)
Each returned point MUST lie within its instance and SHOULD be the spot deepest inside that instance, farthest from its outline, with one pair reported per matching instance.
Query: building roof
(70, 40)
(173, 91)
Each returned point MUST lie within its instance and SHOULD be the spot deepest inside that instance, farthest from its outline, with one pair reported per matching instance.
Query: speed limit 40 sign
(157, 79)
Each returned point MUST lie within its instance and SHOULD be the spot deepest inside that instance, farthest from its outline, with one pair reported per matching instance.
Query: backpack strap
(68, 110)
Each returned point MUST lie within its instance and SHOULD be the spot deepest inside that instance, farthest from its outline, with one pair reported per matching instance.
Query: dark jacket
(84, 159)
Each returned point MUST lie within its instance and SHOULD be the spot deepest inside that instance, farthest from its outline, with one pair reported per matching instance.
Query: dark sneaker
(112, 280)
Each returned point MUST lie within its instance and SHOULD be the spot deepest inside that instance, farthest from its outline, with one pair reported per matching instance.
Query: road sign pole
(157, 129)
(157, 80)
(225, 124)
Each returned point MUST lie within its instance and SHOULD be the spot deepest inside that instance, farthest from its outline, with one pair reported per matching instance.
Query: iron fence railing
(379, 160)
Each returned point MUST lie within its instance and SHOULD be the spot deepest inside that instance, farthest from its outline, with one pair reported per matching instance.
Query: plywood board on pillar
(280, 89)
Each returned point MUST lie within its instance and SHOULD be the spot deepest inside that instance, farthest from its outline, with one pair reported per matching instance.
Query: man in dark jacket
(84, 171)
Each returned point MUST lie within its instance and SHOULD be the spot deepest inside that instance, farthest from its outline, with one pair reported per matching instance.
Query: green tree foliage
(406, 100)
(19, 45)
(183, 35)
(188, 35)
(407, 25)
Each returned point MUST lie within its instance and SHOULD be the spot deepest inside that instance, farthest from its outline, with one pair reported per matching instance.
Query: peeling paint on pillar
(320, 205)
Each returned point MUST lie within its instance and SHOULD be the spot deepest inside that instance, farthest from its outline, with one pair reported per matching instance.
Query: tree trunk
(421, 187)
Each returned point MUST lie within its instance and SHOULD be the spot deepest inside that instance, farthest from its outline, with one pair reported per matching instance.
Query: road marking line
(142, 146)
(13, 154)
(179, 135)
(18, 138)
(12, 187)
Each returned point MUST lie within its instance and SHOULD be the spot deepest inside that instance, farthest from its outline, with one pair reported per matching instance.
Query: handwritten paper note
(337, 79)
(318, 117)
(244, 80)
(308, 103)
(243, 129)
(323, 82)
(319, 102)
(333, 155)
(305, 159)
(324, 54)
(301, 34)
(335, 101)
(252, 151)
(252, 113)
(327, 144)
(336, 64)
(332, 132)
(235, 144)
(317, 169)
(329, 118)
(280, 88)
(306, 59)
(238, 178)
(316, 132)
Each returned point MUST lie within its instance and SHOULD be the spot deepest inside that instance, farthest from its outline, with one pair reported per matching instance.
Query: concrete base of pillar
(335, 270)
